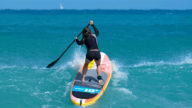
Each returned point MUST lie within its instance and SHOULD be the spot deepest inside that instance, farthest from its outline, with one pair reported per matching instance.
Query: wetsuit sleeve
(96, 30)
(80, 42)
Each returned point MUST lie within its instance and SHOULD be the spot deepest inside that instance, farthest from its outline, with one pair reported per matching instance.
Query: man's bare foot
(99, 81)
(82, 80)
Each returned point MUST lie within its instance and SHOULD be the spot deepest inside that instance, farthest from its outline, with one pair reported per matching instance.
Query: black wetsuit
(91, 44)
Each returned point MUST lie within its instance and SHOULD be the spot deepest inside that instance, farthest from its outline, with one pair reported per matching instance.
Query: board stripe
(85, 89)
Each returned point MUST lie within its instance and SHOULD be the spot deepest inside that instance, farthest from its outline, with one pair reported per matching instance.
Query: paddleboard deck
(89, 92)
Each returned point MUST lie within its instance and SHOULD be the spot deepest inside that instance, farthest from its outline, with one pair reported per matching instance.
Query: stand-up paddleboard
(90, 91)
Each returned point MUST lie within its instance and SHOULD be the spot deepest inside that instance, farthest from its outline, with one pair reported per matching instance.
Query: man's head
(86, 32)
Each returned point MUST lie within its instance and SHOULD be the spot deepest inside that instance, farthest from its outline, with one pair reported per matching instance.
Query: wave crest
(182, 61)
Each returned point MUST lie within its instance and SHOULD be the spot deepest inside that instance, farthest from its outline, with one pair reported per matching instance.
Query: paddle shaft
(54, 62)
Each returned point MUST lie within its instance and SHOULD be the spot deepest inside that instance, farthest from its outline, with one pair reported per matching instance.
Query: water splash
(118, 75)
(77, 60)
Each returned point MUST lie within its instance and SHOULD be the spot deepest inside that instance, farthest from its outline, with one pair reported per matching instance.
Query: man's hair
(86, 32)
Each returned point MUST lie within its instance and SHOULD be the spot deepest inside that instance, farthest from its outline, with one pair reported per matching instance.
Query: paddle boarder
(90, 41)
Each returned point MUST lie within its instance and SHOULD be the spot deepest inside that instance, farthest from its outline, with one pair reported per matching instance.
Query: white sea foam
(77, 60)
(182, 60)
(125, 91)
(67, 88)
(186, 59)
(46, 92)
(45, 106)
(21, 67)
(7, 67)
(118, 75)
(147, 63)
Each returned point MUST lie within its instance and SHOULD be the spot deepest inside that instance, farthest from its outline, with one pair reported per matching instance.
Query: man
(90, 41)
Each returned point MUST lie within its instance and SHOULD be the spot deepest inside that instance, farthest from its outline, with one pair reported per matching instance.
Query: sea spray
(75, 60)
(118, 75)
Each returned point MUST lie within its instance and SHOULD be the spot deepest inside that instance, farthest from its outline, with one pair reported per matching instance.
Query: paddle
(54, 62)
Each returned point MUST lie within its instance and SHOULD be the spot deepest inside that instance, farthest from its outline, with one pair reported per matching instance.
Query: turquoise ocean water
(151, 54)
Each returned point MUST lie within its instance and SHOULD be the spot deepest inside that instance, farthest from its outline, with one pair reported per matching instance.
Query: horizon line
(95, 9)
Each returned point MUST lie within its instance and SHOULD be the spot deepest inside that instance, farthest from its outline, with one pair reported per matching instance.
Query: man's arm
(79, 42)
(95, 29)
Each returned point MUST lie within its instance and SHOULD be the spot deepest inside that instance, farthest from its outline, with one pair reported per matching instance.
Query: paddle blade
(51, 64)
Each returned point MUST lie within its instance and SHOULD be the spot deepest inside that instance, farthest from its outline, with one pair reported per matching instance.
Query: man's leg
(98, 62)
(85, 67)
